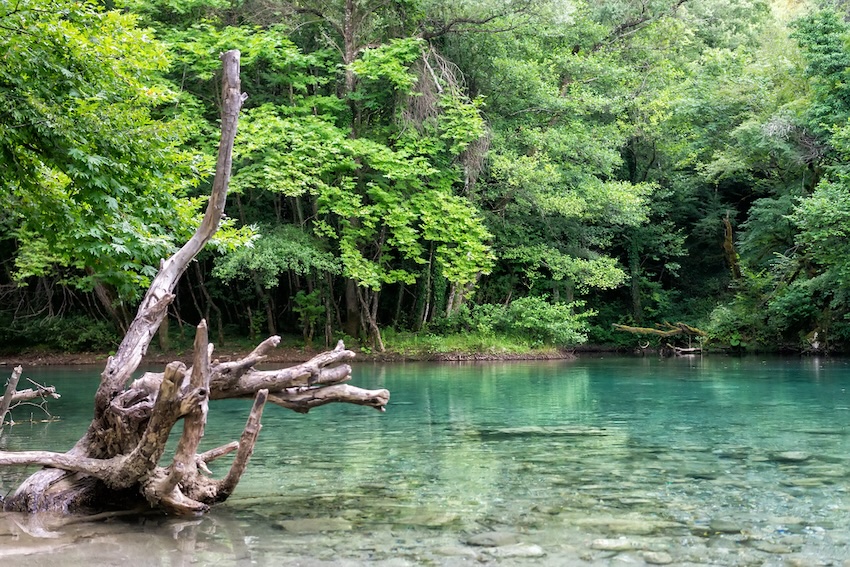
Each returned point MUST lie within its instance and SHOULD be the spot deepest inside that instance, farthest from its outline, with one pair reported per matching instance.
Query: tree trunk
(368, 300)
(729, 248)
(634, 273)
(116, 463)
(352, 309)
(162, 333)
(210, 304)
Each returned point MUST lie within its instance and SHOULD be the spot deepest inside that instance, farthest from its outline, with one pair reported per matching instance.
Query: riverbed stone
(618, 544)
(809, 482)
(627, 559)
(493, 539)
(657, 557)
(455, 551)
(771, 547)
(315, 525)
(626, 526)
(786, 521)
(723, 526)
(635, 501)
(805, 561)
(790, 457)
(427, 518)
(516, 550)
(826, 470)
(736, 453)
(700, 472)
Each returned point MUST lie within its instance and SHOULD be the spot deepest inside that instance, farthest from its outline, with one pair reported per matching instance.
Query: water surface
(599, 461)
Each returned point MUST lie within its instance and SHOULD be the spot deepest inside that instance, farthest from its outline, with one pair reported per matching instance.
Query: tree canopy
(426, 165)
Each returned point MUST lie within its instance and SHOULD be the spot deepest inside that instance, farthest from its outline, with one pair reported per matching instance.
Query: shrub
(546, 323)
(531, 319)
(75, 333)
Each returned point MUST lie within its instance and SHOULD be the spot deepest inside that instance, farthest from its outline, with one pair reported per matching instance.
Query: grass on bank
(529, 326)
(426, 345)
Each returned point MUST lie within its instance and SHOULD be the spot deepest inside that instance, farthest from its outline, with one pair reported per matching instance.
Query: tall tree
(372, 161)
(94, 182)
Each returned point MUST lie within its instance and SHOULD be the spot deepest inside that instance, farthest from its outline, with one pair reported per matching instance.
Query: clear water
(599, 461)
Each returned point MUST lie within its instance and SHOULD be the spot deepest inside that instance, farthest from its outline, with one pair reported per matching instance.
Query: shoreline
(284, 355)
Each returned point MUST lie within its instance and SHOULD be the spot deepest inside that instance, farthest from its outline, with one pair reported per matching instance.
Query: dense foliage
(535, 169)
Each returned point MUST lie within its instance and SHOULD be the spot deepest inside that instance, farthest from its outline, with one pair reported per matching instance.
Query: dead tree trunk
(116, 464)
(667, 330)
(11, 387)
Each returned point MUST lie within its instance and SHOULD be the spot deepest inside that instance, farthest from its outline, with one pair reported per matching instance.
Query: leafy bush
(546, 323)
(743, 322)
(532, 319)
(75, 333)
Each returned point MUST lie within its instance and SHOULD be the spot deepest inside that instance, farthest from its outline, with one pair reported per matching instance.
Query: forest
(496, 176)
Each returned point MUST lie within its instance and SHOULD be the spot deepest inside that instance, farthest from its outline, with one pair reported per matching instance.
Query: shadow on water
(600, 461)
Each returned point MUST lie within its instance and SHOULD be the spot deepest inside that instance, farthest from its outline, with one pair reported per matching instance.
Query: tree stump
(116, 464)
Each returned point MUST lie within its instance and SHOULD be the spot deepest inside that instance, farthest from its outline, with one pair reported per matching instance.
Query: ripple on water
(613, 462)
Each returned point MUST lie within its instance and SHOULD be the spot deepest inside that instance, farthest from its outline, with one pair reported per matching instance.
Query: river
(597, 461)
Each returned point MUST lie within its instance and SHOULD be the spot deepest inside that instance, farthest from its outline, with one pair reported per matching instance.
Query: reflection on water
(600, 461)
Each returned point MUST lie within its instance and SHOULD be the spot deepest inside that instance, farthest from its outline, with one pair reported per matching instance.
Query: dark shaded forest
(497, 176)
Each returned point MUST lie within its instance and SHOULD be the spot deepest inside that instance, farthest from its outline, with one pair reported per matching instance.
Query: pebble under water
(597, 461)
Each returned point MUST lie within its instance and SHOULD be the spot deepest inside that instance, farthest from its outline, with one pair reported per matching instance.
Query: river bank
(281, 355)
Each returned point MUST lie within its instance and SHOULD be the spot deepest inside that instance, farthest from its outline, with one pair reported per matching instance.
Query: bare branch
(234, 370)
(213, 454)
(303, 400)
(432, 28)
(98, 468)
(11, 386)
(154, 306)
(639, 22)
(196, 417)
(15, 398)
(223, 384)
(246, 448)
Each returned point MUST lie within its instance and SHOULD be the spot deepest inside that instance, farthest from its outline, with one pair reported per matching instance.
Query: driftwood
(11, 386)
(14, 397)
(683, 351)
(117, 462)
(667, 330)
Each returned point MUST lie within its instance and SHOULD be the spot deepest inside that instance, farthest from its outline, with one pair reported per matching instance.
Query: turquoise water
(598, 461)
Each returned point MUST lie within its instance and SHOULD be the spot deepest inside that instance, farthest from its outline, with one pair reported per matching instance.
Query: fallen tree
(666, 330)
(116, 464)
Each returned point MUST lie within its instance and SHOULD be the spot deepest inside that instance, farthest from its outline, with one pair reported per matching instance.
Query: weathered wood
(236, 379)
(31, 394)
(116, 463)
(14, 397)
(154, 306)
(667, 330)
(11, 386)
(682, 351)
(246, 447)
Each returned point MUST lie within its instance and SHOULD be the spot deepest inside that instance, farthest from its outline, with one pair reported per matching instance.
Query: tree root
(116, 462)
(156, 402)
